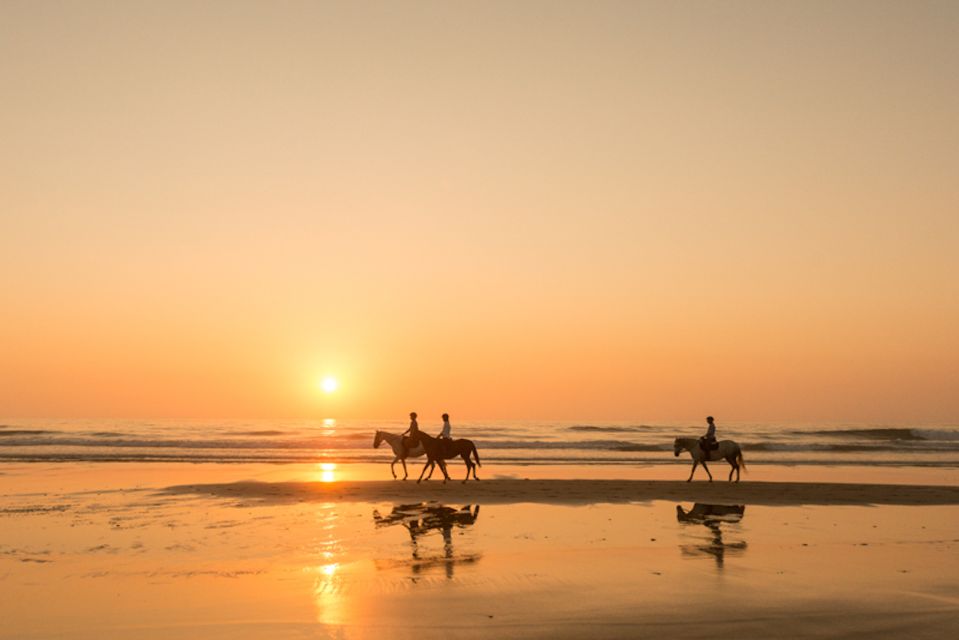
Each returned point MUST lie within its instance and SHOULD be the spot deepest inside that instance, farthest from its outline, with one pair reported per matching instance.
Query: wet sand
(583, 492)
(117, 551)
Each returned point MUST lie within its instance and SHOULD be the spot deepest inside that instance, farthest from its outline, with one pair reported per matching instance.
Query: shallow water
(120, 561)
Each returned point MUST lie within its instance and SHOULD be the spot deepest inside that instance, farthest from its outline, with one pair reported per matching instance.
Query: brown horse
(438, 450)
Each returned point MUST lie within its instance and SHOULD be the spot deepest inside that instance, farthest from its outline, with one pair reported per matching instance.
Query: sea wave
(306, 457)
(897, 433)
(264, 432)
(609, 429)
(346, 441)
(358, 441)
(22, 432)
(517, 443)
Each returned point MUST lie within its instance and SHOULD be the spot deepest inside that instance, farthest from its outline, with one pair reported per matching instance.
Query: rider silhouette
(445, 433)
(708, 442)
(445, 437)
(413, 440)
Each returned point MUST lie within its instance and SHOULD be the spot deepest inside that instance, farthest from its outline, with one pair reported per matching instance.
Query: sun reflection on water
(328, 586)
(329, 427)
(327, 471)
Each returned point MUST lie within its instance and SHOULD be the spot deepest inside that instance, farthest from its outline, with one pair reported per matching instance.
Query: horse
(396, 443)
(726, 449)
(438, 450)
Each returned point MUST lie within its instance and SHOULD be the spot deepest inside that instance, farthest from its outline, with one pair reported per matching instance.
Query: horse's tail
(739, 459)
(475, 454)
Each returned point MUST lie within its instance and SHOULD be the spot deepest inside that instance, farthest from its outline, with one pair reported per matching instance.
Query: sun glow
(328, 384)
(327, 472)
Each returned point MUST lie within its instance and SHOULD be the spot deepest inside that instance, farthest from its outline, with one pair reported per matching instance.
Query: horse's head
(677, 447)
(377, 439)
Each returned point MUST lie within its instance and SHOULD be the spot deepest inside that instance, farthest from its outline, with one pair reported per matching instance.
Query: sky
(538, 210)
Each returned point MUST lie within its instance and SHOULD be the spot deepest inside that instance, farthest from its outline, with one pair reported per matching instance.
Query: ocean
(505, 442)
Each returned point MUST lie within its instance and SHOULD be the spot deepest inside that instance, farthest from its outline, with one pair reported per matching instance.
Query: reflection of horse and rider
(414, 443)
(422, 518)
(713, 517)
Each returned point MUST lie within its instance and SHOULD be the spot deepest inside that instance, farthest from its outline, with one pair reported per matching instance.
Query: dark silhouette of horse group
(436, 450)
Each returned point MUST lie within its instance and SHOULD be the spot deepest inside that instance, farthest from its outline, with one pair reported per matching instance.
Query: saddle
(708, 444)
(446, 446)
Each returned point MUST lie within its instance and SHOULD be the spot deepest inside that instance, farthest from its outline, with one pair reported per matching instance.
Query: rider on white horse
(414, 436)
(708, 442)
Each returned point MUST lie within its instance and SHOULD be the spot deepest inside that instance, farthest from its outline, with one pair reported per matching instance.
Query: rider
(445, 433)
(708, 442)
(445, 438)
(414, 436)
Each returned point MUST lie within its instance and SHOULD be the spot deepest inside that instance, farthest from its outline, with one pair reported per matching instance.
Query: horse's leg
(433, 468)
(446, 476)
(391, 466)
(695, 462)
(469, 465)
(405, 472)
(707, 471)
(732, 466)
(428, 463)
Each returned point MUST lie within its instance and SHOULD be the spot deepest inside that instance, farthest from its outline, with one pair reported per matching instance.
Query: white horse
(396, 443)
(727, 450)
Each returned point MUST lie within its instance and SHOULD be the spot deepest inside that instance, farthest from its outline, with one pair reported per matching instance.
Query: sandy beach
(234, 551)
(581, 492)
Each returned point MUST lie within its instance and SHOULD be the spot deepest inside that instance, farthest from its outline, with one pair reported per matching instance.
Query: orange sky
(609, 210)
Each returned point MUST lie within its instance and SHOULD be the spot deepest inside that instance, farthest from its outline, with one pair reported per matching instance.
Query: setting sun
(328, 384)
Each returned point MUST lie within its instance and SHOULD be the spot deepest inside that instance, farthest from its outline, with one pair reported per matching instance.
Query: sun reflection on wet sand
(328, 584)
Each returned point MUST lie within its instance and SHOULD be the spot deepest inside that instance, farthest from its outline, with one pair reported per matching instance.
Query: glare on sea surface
(329, 426)
(327, 472)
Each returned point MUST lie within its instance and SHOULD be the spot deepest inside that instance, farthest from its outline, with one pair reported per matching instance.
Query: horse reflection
(713, 517)
(421, 519)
